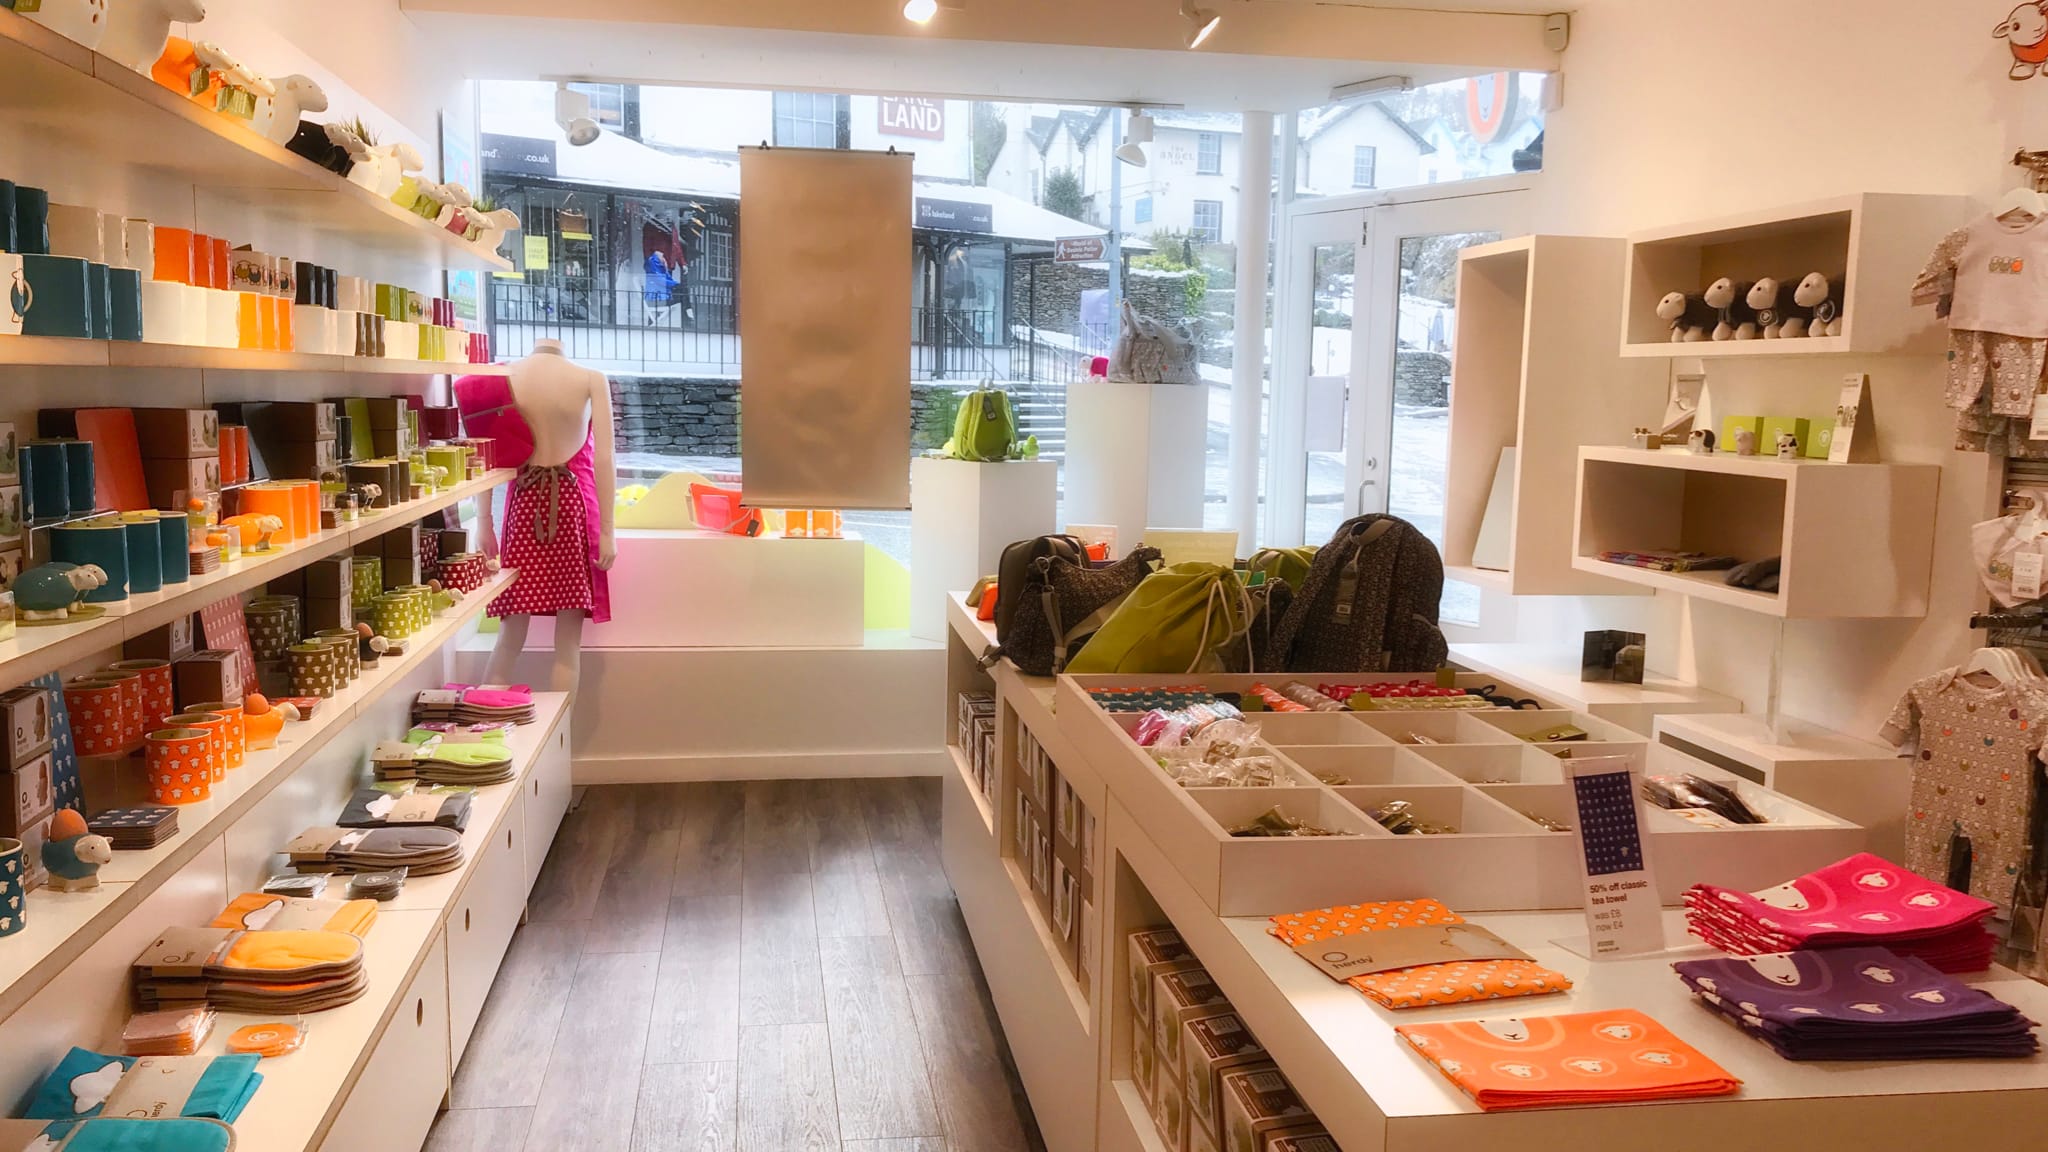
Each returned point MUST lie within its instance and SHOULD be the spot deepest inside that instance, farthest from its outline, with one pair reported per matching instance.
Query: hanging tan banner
(824, 292)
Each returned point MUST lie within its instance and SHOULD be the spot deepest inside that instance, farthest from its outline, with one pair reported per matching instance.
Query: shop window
(1142, 212)
(1365, 162)
(1208, 226)
(610, 105)
(718, 256)
(1209, 154)
(812, 120)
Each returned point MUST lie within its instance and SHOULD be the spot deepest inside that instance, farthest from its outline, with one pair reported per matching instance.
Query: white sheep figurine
(137, 30)
(296, 96)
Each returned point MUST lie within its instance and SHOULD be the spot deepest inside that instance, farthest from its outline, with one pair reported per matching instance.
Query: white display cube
(962, 515)
(1136, 455)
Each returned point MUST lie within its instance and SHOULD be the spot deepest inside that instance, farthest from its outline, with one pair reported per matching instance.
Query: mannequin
(558, 513)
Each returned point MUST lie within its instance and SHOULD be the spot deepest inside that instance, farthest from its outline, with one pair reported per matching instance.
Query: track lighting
(1138, 133)
(1201, 22)
(920, 11)
(572, 114)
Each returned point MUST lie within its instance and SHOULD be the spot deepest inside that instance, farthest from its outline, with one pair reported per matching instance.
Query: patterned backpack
(1368, 604)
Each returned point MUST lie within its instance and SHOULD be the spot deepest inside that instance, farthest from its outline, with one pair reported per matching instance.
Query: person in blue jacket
(660, 287)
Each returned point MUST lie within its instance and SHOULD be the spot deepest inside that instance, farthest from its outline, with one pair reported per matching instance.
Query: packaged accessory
(274, 1038)
(172, 1032)
(1610, 1057)
(384, 884)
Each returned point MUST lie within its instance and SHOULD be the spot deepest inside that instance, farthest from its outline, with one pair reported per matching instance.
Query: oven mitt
(1755, 573)
(425, 850)
(267, 911)
(126, 1134)
(85, 1083)
(376, 808)
(280, 956)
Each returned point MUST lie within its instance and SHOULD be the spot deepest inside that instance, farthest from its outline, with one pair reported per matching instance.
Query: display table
(1059, 976)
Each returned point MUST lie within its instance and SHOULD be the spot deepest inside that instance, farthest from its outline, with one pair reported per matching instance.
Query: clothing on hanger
(1990, 281)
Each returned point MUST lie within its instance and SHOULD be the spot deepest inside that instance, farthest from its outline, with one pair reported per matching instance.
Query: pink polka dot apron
(550, 534)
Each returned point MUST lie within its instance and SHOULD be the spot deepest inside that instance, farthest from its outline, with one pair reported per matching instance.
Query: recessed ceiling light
(920, 11)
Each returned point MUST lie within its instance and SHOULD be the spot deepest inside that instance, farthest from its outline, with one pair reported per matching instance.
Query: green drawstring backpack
(1180, 620)
(1289, 565)
(985, 429)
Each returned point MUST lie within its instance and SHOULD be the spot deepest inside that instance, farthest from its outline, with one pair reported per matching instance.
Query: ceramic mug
(14, 308)
(175, 255)
(59, 290)
(175, 759)
(159, 695)
(237, 729)
(215, 728)
(134, 704)
(124, 296)
(7, 243)
(31, 221)
(13, 890)
(95, 710)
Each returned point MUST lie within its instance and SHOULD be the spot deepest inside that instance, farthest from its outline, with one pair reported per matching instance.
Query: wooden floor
(775, 966)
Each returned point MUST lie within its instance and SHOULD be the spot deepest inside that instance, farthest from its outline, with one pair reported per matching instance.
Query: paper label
(2039, 429)
(324, 842)
(1365, 953)
(185, 951)
(156, 1087)
(415, 809)
(2026, 575)
(394, 752)
(1622, 913)
(1848, 411)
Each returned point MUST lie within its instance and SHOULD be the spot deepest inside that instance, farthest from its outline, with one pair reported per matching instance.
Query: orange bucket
(215, 726)
(175, 759)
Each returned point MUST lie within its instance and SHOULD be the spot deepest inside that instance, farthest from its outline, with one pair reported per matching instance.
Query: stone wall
(1056, 307)
(1422, 378)
(701, 417)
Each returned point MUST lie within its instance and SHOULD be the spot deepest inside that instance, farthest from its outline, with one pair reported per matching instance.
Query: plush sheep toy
(1690, 317)
(1777, 316)
(1731, 301)
(1823, 297)
(137, 30)
(73, 855)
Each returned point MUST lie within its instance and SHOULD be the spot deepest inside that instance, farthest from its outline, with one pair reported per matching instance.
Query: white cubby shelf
(1536, 371)
(1875, 242)
(1857, 540)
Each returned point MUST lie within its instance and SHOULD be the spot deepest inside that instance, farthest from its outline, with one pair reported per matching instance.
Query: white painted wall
(1328, 158)
(1659, 126)
(949, 159)
(1174, 180)
(717, 119)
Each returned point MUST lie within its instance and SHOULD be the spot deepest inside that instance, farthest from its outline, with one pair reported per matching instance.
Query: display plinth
(689, 589)
(1135, 456)
(962, 515)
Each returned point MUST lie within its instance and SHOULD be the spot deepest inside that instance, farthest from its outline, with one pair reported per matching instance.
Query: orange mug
(237, 730)
(96, 721)
(214, 727)
(134, 705)
(158, 694)
(176, 762)
(173, 255)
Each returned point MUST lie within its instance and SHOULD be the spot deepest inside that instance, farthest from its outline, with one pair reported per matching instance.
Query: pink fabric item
(488, 411)
(513, 696)
(1862, 896)
(550, 535)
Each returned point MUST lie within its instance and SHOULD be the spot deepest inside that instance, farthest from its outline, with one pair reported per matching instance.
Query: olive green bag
(1182, 619)
(1289, 565)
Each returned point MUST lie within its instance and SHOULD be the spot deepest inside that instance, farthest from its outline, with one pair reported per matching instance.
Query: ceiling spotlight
(1201, 22)
(920, 11)
(572, 115)
(1138, 133)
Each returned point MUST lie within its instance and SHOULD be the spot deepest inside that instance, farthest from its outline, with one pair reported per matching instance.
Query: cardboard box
(1209, 1047)
(330, 577)
(1798, 427)
(10, 566)
(177, 433)
(1091, 939)
(1066, 908)
(1178, 997)
(1257, 1104)
(13, 523)
(387, 412)
(292, 422)
(1144, 1065)
(1306, 1138)
(1169, 1111)
(400, 543)
(172, 641)
(391, 441)
(1066, 817)
(309, 460)
(1151, 952)
(1200, 1139)
(25, 722)
(208, 674)
(325, 613)
(172, 482)
(31, 796)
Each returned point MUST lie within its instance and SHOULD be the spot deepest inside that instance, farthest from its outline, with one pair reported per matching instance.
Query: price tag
(1622, 913)
(2026, 574)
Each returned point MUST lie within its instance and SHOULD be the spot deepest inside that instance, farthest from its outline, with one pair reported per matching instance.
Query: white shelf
(56, 351)
(36, 650)
(1535, 371)
(35, 957)
(106, 108)
(1856, 540)
(1554, 672)
(1862, 780)
(1876, 242)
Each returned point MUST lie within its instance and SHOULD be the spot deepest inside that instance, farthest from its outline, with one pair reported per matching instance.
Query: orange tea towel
(1458, 983)
(1614, 1057)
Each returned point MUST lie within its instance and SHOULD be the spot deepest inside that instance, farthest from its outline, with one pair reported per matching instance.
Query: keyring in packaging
(272, 1038)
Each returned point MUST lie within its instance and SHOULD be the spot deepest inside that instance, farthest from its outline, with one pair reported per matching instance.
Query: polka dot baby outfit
(1455, 983)
(1973, 750)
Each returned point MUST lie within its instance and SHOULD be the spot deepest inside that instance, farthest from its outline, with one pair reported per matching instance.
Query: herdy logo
(2008, 265)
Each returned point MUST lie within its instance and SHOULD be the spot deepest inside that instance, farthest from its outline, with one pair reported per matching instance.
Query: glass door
(1366, 335)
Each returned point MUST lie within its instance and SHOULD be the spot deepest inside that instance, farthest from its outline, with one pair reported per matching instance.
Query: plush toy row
(1765, 310)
